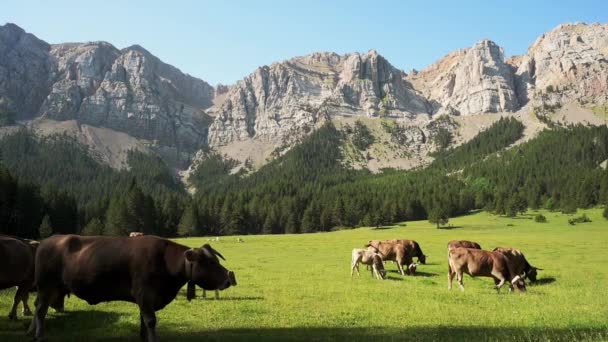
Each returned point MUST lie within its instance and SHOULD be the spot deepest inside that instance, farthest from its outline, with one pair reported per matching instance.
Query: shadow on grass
(383, 228)
(544, 281)
(439, 333)
(450, 227)
(251, 298)
(425, 274)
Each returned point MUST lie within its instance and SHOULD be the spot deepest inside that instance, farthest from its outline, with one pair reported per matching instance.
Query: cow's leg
(352, 269)
(400, 267)
(451, 275)
(204, 294)
(217, 294)
(459, 275)
(148, 318)
(26, 308)
(18, 294)
(42, 307)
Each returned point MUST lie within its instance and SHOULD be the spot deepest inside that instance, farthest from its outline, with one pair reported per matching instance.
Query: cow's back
(98, 268)
(17, 262)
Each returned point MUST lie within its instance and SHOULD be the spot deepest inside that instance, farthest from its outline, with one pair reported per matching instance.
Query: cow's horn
(208, 247)
(538, 269)
(516, 279)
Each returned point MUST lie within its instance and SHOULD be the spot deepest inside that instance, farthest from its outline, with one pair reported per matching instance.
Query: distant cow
(463, 243)
(135, 234)
(148, 271)
(518, 261)
(476, 262)
(368, 256)
(17, 269)
(393, 250)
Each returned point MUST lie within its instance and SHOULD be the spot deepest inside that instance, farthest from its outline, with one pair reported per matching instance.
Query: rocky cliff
(132, 91)
(128, 90)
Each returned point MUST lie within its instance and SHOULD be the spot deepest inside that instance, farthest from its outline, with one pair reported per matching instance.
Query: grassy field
(298, 287)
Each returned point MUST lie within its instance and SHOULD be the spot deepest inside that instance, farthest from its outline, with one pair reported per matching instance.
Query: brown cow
(17, 269)
(463, 243)
(414, 250)
(476, 262)
(393, 250)
(135, 234)
(519, 263)
(148, 271)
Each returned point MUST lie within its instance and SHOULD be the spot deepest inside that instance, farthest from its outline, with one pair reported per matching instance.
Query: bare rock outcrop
(469, 81)
(567, 63)
(287, 99)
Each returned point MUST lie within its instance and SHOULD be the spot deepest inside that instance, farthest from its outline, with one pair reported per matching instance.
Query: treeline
(54, 184)
(310, 190)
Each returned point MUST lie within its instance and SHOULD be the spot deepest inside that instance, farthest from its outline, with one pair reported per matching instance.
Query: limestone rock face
(287, 99)
(24, 72)
(128, 90)
(469, 81)
(570, 61)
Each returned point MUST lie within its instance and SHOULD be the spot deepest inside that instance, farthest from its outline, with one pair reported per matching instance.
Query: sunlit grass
(298, 287)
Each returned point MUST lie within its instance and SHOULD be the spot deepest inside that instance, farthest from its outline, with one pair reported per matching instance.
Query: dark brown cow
(17, 269)
(519, 263)
(148, 271)
(476, 262)
(414, 250)
(393, 250)
(463, 243)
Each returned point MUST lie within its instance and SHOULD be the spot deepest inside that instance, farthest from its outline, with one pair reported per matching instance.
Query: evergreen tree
(45, 227)
(94, 227)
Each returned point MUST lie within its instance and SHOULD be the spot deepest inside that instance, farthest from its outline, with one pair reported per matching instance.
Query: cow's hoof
(12, 316)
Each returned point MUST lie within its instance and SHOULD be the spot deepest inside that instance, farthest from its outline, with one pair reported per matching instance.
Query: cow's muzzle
(230, 281)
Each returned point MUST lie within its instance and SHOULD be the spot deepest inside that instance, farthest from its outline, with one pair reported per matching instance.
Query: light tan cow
(476, 262)
(367, 257)
(136, 234)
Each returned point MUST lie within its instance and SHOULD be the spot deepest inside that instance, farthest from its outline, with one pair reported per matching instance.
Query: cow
(414, 250)
(393, 250)
(368, 256)
(148, 271)
(135, 234)
(477, 262)
(463, 243)
(518, 261)
(17, 269)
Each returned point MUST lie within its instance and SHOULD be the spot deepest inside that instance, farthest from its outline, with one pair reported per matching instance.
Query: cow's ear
(191, 255)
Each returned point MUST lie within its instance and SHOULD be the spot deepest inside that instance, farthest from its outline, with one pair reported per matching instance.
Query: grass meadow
(298, 287)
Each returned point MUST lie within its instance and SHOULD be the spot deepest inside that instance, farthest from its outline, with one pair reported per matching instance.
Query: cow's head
(532, 273)
(203, 268)
(412, 268)
(518, 284)
(422, 259)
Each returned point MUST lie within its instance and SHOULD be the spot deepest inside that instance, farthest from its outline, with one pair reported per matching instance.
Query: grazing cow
(518, 261)
(463, 243)
(477, 262)
(148, 271)
(368, 256)
(135, 234)
(17, 269)
(393, 250)
(414, 250)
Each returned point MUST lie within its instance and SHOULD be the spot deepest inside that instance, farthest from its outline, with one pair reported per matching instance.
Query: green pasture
(298, 287)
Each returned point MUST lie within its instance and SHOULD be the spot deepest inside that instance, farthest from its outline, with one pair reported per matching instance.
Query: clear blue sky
(222, 41)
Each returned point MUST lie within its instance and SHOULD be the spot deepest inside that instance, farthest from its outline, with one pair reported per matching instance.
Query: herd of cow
(146, 270)
(149, 271)
(502, 264)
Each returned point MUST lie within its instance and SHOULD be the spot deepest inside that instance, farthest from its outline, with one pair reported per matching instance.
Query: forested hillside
(306, 190)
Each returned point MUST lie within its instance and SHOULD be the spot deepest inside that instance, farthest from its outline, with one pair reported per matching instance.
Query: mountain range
(115, 100)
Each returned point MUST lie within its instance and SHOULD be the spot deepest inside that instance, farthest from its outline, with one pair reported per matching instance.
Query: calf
(367, 257)
(476, 262)
(17, 269)
(148, 271)
(518, 262)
